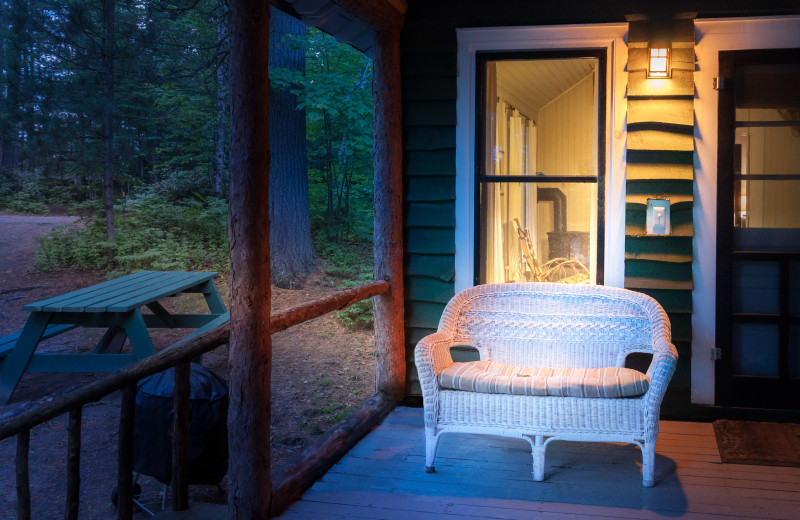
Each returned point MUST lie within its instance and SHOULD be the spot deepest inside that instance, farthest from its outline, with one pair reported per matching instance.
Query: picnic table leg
(213, 299)
(17, 360)
(112, 341)
(134, 325)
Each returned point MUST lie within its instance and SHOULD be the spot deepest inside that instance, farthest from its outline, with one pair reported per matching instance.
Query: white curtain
(514, 154)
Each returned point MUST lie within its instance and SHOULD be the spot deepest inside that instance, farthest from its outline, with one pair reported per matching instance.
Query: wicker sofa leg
(538, 448)
(648, 462)
(431, 444)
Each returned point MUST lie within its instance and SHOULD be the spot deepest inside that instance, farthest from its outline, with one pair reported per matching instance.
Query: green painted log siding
(429, 123)
(660, 161)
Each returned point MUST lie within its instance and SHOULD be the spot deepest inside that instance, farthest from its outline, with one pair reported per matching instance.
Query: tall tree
(13, 32)
(108, 116)
(292, 255)
(220, 134)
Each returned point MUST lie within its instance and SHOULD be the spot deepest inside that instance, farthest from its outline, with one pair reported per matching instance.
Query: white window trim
(712, 36)
(608, 36)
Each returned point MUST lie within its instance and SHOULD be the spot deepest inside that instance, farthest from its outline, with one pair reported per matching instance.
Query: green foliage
(152, 233)
(336, 93)
(22, 192)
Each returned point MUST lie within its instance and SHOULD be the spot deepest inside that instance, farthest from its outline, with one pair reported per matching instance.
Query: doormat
(762, 443)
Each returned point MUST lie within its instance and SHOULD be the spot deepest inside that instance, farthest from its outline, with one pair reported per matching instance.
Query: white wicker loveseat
(547, 325)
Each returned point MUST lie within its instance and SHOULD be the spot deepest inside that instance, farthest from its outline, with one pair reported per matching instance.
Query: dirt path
(321, 371)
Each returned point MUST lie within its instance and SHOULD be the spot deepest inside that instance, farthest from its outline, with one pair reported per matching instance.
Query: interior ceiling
(528, 85)
(334, 20)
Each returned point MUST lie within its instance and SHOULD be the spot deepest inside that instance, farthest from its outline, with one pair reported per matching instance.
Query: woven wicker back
(555, 325)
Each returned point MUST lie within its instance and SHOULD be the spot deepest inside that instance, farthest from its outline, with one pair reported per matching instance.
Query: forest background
(118, 112)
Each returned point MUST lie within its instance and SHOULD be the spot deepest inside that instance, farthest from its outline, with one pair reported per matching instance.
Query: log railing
(306, 468)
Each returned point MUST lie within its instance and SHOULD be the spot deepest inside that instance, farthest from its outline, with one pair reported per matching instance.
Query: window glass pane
(794, 288)
(794, 351)
(755, 349)
(755, 287)
(538, 232)
(541, 117)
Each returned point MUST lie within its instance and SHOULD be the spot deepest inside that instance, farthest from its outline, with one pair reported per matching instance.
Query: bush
(151, 233)
(22, 192)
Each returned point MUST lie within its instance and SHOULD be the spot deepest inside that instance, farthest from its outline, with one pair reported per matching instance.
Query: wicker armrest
(434, 351)
(660, 371)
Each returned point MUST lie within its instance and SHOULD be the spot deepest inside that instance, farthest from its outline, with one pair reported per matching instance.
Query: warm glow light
(658, 64)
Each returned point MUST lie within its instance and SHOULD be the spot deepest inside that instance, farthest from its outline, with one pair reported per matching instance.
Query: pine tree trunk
(108, 117)
(222, 105)
(250, 356)
(290, 229)
(11, 116)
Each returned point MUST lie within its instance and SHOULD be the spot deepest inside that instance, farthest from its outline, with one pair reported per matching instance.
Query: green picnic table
(115, 305)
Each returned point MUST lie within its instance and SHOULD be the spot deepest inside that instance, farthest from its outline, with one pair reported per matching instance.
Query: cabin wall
(660, 145)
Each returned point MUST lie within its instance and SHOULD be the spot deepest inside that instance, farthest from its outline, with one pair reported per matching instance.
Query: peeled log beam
(180, 436)
(390, 357)
(306, 467)
(125, 453)
(250, 355)
(73, 464)
(300, 313)
(23, 475)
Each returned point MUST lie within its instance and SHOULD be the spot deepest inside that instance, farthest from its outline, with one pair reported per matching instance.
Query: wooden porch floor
(383, 477)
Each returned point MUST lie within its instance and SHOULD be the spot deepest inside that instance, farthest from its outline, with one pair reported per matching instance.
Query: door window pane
(794, 351)
(767, 151)
(755, 349)
(756, 287)
(794, 288)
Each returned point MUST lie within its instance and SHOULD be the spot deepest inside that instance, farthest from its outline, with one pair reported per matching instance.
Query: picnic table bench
(114, 305)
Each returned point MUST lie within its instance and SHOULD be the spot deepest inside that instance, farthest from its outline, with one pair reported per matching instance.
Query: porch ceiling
(349, 21)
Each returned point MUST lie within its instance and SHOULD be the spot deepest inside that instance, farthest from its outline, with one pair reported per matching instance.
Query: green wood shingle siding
(429, 121)
(658, 270)
(430, 113)
(431, 241)
(429, 266)
(660, 159)
(431, 214)
(430, 138)
(431, 162)
(657, 187)
(428, 290)
(429, 88)
(427, 189)
(658, 244)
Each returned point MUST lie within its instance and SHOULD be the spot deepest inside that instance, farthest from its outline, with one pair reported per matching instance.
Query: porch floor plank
(383, 477)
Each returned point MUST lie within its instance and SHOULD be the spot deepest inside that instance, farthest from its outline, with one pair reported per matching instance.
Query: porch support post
(250, 357)
(390, 363)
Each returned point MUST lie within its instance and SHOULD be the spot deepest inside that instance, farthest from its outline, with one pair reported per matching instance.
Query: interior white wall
(712, 36)
(603, 36)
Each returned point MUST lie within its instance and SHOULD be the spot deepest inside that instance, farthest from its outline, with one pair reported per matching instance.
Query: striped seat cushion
(496, 378)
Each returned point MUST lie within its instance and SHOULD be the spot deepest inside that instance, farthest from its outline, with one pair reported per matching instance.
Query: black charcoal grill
(208, 431)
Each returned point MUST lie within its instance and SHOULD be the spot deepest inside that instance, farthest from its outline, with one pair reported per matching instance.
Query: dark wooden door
(758, 229)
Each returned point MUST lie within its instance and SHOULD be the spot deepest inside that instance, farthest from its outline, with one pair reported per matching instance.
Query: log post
(73, 464)
(250, 356)
(125, 453)
(390, 364)
(23, 475)
(180, 436)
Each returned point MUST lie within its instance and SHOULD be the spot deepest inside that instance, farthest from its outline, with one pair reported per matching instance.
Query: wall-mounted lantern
(658, 62)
